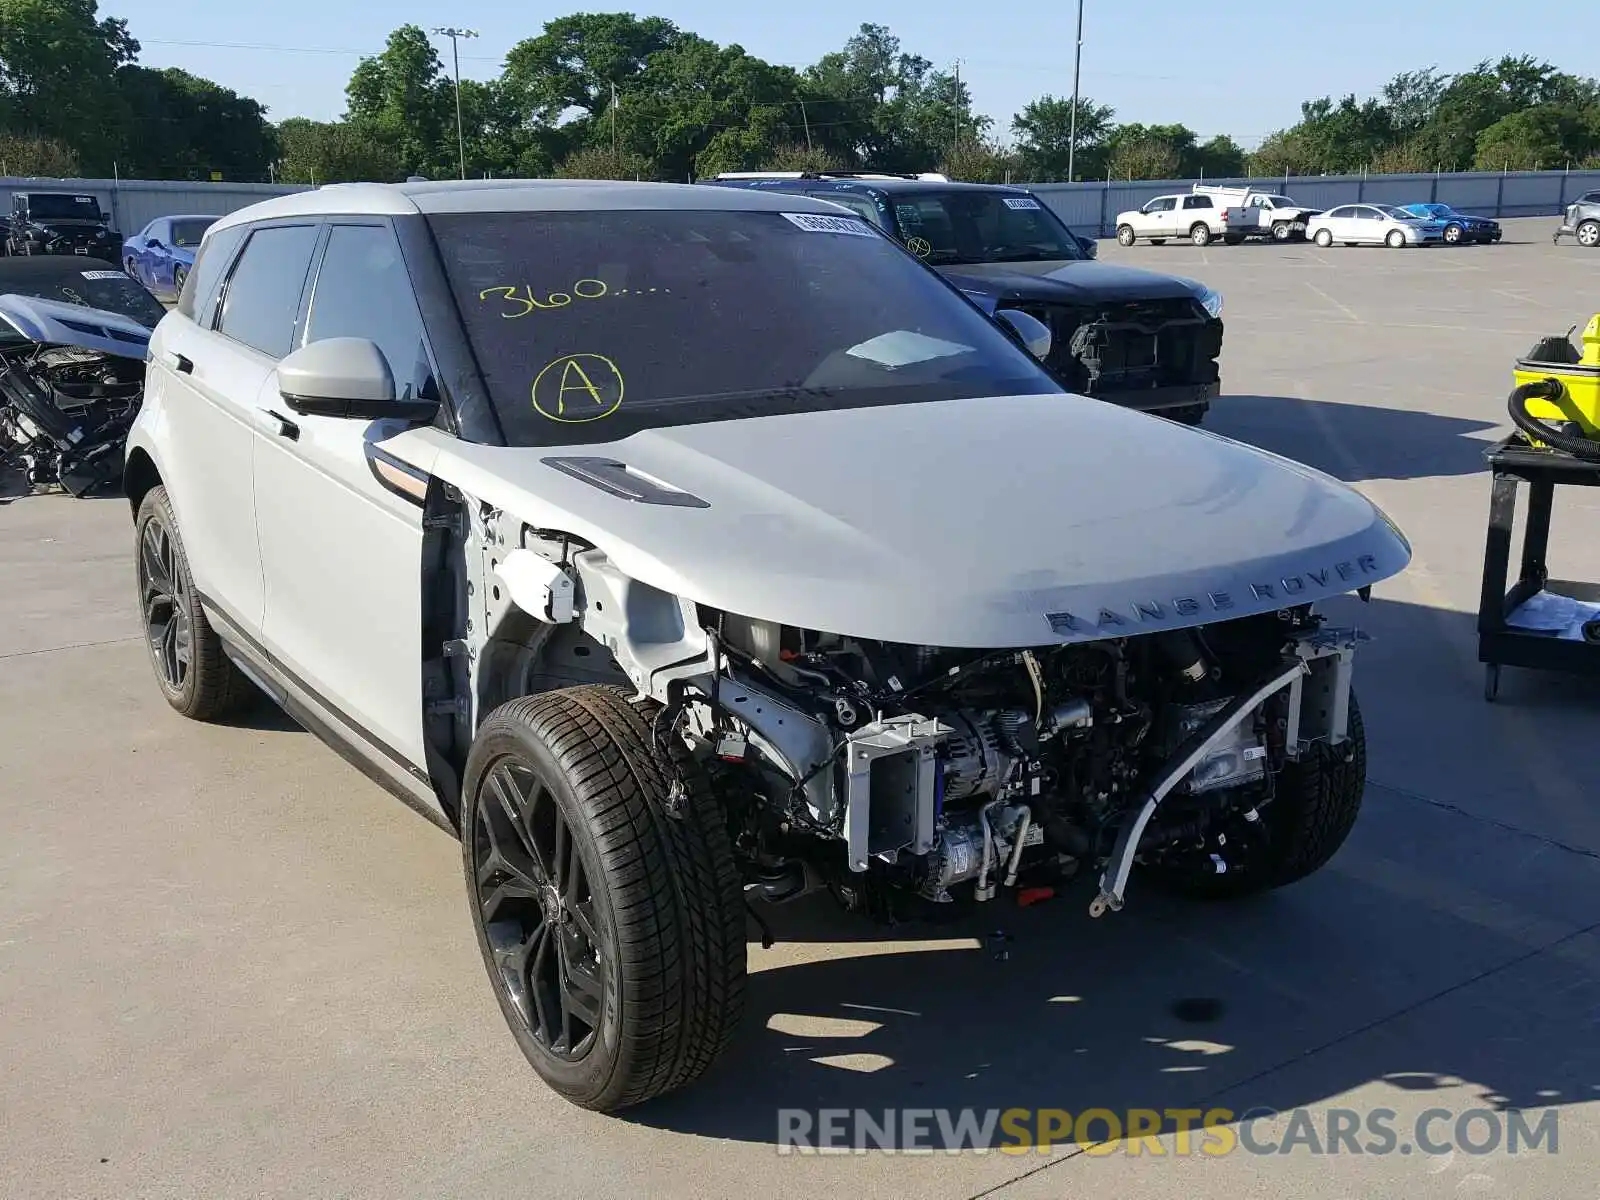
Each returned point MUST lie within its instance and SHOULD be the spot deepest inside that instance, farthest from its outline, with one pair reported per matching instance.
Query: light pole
(1077, 62)
(455, 61)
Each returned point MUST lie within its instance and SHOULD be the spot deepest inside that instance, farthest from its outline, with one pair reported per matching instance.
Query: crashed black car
(60, 223)
(1137, 338)
(74, 333)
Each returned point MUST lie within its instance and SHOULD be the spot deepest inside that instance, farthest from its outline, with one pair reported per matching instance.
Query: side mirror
(1031, 332)
(154, 243)
(346, 377)
(1089, 246)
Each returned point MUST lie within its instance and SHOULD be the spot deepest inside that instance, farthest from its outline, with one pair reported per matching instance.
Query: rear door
(1197, 210)
(342, 552)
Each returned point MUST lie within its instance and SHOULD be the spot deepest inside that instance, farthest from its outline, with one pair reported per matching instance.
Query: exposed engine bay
(65, 408)
(899, 776)
(1130, 347)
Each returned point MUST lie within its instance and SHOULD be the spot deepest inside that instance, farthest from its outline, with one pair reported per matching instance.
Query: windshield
(47, 206)
(590, 326)
(981, 227)
(78, 283)
(188, 231)
(1399, 214)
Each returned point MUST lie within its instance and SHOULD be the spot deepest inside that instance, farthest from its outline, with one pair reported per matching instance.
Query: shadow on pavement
(1387, 443)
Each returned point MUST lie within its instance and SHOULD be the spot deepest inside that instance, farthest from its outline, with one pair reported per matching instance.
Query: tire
(1589, 234)
(1126, 236)
(1452, 234)
(1394, 239)
(1189, 414)
(1233, 239)
(179, 274)
(648, 936)
(130, 270)
(192, 669)
(1200, 233)
(1280, 231)
(1323, 238)
(1314, 809)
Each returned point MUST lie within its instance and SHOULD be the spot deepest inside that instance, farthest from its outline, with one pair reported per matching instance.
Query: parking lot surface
(230, 966)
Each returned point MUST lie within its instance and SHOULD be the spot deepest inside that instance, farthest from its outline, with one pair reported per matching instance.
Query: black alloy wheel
(164, 602)
(553, 954)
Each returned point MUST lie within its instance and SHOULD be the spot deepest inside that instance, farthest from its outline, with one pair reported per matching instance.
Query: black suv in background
(1136, 338)
(61, 223)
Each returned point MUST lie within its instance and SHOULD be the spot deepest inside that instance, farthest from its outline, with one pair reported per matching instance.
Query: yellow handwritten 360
(521, 302)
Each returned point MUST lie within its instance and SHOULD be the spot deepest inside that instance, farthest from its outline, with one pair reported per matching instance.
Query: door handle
(286, 427)
(180, 363)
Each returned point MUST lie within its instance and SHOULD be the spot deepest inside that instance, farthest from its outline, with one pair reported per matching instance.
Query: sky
(1154, 61)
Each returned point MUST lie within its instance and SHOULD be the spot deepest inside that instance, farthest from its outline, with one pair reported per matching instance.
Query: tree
(600, 162)
(876, 90)
(1044, 132)
(577, 60)
(57, 62)
(180, 126)
(403, 99)
(318, 152)
(1219, 158)
(1542, 137)
(980, 160)
(1412, 98)
(1145, 152)
(41, 157)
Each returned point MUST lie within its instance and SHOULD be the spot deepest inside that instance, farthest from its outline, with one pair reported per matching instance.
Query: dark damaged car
(60, 223)
(1137, 338)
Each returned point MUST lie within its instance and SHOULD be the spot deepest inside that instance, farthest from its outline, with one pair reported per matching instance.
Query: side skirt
(328, 724)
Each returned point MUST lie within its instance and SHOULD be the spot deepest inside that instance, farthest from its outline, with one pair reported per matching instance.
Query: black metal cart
(1513, 461)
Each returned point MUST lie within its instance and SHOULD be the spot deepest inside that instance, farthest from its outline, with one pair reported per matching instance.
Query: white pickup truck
(1260, 214)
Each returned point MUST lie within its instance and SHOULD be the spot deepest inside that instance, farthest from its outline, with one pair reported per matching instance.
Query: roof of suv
(510, 195)
(873, 184)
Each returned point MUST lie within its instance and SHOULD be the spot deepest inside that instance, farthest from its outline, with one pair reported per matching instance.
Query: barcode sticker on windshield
(819, 223)
(1021, 202)
(102, 274)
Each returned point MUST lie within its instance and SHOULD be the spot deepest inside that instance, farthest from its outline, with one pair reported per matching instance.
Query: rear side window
(200, 288)
(363, 290)
(1197, 201)
(263, 293)
(860, 205)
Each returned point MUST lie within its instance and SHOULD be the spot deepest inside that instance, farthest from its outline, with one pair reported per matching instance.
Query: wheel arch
(140, 476)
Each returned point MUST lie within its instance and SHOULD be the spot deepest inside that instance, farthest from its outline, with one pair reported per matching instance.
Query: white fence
(1092, 208)
(1088, 208)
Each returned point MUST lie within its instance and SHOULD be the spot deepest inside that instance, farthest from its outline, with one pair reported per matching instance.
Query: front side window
(590, 326)
(1164, 204)
(262, 297)
(363, 290)
(187, 231)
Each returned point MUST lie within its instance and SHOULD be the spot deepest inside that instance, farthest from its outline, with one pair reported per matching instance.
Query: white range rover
(690, 549)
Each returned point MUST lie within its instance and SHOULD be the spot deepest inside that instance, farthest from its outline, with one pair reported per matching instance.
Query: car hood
(996, 522)
(69, 224)
(56, 323)
(1071, 282)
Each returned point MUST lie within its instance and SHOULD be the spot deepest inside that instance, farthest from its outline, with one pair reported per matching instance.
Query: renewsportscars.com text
(1212, 1132)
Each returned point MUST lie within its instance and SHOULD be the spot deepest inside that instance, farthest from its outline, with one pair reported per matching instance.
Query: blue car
(161, 254)
(1458, 226)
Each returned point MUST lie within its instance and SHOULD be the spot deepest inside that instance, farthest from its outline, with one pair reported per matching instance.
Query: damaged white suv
(691, 549)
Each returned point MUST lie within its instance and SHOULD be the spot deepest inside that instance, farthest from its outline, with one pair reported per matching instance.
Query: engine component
(1237, 758)
(974, 762)
(964, 853)
(891, 786)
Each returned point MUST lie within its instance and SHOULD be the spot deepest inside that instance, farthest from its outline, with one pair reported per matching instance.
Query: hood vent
(625, 482)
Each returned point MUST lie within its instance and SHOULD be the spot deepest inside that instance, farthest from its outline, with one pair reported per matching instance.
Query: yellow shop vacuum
(1556, 401)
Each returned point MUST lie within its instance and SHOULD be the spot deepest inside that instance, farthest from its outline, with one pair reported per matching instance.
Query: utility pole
(806, 121)
(613, 122)
(957, 145)
(455, 35)
(1077, 64)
